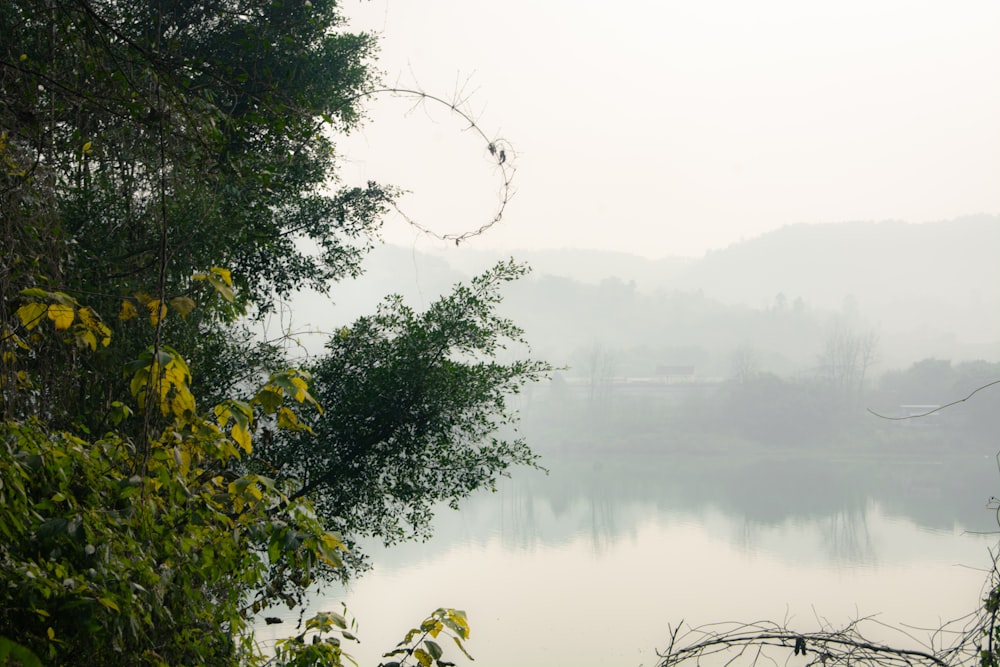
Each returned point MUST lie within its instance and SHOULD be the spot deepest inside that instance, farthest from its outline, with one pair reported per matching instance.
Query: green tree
(145, 144)
(412, 404)
(167, 172)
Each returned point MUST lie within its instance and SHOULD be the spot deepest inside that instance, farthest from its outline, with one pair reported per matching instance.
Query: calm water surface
(590, 565)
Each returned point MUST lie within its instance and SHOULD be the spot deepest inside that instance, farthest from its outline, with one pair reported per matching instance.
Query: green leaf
(458, 643)
(269, 399)
(110, 604)
(333, 618)
(13, 653)
(434, 649)
(52, 527)
(274, 548)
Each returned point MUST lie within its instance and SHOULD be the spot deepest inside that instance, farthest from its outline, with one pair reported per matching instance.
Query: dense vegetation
(167, 172)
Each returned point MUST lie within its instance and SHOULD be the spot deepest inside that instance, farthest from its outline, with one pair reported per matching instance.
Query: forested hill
(926, 289)
(819, 262)
(882, 264)
(941, 276)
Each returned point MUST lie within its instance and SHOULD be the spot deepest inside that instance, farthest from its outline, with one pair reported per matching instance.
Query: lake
(592, 563)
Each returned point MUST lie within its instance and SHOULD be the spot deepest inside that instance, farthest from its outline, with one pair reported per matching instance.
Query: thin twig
(937, 409)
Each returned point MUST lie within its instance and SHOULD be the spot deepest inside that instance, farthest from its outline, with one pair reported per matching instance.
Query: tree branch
(937, 409)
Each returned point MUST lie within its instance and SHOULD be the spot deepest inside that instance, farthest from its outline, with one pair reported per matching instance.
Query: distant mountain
(902, 275)
(930, 289)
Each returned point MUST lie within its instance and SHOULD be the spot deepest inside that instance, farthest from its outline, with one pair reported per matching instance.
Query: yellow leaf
(87, 338)
(328, 548)
(52, 634)
(225, 274)
(175, 375)
(183, 402)
(333, 541)
(222, 414)
(423, 657)
(302, 389)
(31, 314)
(224, 290)
(288, 420)
(183, 305)
(157, 311)
(177, 360)
(62, 315)
(242, 437)
(87, 147)
(163, 402)
(182, 458)
(89, 318)
(459, 623)
(8, 334)
(128, 311)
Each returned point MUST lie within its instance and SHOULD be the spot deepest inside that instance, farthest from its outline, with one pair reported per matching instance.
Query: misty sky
(672, 128)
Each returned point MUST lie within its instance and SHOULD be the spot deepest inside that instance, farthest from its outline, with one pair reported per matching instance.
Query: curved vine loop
(500, 152)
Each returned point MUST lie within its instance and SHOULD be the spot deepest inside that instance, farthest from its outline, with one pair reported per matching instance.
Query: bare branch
(937, 409)
(767, 642)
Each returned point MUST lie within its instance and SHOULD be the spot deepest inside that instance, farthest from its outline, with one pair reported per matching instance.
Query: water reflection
(847, 538)
(588, 565)
(606, 499)
(592, 600)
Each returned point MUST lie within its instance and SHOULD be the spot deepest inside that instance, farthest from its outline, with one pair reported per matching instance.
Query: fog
(803, 339)
(675, 128)
(922, 291)
(711, 427)
(759, 235)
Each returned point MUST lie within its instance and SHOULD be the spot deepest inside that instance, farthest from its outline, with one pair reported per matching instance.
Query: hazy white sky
(672, 128)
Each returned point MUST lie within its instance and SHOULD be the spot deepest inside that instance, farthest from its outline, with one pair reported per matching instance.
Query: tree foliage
(412, 400)
(145, 145)
(167, 173)
(109, 566)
